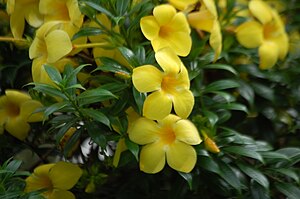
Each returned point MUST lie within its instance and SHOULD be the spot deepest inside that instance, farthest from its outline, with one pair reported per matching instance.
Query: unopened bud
(211, 146)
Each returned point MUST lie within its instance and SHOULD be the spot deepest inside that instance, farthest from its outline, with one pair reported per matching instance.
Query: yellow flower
(170, 86)
(50, 45)
(56, 178)
(112, 51)
(61, 10)
(167, 28)
(206, 19)
(21, 10)
(267, 33)
(16, 110)
(166, 140)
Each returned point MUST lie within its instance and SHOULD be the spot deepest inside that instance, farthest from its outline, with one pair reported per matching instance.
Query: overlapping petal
(144, 131)
(164, 14)
(157, 105)
(181, 157)
(186, 132)
(152, 158)
(147, 78)
(268, 54)
(18, 127)
(150, 27)
(261, 11)
(183, 103)
(182, 5)
(56, 194)
(168, 60)
(250, 34)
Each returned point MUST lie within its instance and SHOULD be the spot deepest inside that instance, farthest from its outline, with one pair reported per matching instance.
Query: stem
(91, 45)
(12, 39)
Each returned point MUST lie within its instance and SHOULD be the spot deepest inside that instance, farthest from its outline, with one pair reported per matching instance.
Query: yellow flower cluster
(166, 137)
(266, 31)
(57, 21)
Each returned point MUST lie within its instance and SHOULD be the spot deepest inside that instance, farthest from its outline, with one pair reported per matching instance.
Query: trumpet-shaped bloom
(183, 5)
(267, 33)
(170, 86)
(61, 10)
(206, 19)
(56, 179)
(16, 110)
(169, 139)
(50, 45)
(167, 28)
(21, 10)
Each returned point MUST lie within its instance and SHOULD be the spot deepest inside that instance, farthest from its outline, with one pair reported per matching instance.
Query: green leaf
(288, 189)
(258, 191)
(273, 155)
(287, 172)
(232, 106)
(49, 90)
(139, 99)
(96, 135)
(93, 96)
(14, 165)
(133, 148)
(255, 175)
(55, 107)
(111, 65)
(221, 66)
(246, 91)
(211, 116)
(188, 177)
(63, 129)
(243, 151)
(114, 87)
(263, 91)
(228, 174)
(129, 56)
(208, 164)
(96, 115)
(98, 8)
(53, 73)
(221, 85)
(87, 31)
(122, 6)
(70, 74)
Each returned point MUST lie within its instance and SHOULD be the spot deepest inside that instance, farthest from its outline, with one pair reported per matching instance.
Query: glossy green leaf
(53, 73)
(221, 85)
(255, 175)
(289, 172)
(94, 95)
(288, 189)
(133, 148)
(96, 135)
(14, 165)
(228, 174)
(129, 56)
(71, 142)
(98, 8)
(87, 31)
(222, 67)
(243, 151)
(188, 177)
(96, 115)
(56, 107)
(49, 90)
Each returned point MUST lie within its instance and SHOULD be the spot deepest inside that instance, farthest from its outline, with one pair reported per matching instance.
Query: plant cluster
(149, 99)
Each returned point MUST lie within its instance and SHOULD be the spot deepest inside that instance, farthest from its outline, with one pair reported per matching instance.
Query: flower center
(167, 135)
(169, 83)
(270, 31)
(12, 110)
(165, 31)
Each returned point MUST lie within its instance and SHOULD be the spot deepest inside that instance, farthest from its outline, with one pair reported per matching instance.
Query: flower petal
(71, 174)
(183, 103)
(152, 158)
(17, 127)
(58, 45)
(33, 16)
(61, 194)
(43, 170)
(16, 97)
(150, 27)
(181, 157)
(27, 109)
(157, 106)
(250, 34)
(268, 55)
(215, 39)
(147, 78)
(143, 131)
(164, 13)
(202, 20)
(179, 23)
(186, 132)
(121, 146)
(168, 60)
(180, 42)
(182, 5)
(17, 24)
(211, 7)
(261, 11)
